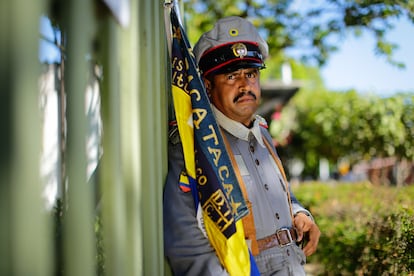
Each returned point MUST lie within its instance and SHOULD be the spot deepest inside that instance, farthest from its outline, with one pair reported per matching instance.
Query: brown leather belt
(282, 237)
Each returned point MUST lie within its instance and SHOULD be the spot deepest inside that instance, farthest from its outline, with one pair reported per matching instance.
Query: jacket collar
(238, 129)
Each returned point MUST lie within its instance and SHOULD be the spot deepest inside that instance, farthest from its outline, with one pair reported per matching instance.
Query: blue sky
(355, 65)
(47, 53)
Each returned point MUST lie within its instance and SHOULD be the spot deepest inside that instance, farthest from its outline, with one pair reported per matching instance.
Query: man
(230, 57)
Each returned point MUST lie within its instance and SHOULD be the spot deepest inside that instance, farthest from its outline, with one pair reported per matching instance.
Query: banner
(209, 173)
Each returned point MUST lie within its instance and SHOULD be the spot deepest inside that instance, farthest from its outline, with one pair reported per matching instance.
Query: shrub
(366, 229)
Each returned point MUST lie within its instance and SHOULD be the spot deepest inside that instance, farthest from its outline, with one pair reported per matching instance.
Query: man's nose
(244, 81)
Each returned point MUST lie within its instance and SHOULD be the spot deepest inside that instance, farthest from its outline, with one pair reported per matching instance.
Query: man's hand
(304, 224)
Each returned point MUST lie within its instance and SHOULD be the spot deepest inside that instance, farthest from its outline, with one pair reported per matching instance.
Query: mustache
(242, 94)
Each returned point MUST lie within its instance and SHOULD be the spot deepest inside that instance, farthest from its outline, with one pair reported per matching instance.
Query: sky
(355, 65)
(47, 53)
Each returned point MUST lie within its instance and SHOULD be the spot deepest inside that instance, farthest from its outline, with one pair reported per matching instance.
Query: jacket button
(266, 186)
(251, 148)
(277, 215)
(257, 162)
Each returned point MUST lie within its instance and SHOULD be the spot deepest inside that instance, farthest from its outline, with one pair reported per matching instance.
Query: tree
(318, 123)
(310, 26)
(333, 125)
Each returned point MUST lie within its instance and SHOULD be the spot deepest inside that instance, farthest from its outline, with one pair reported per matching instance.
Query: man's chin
(248, 107)
(248, 112)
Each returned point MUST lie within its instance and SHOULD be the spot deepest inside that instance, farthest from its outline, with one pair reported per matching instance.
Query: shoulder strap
(248, 220)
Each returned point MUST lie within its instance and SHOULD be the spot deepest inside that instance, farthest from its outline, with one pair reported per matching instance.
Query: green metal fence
(110, 224)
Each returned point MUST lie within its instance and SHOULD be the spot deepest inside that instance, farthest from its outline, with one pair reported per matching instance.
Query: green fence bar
(153, 118)
(25, 225)
(113, 194)
(79, 241)
(132, 131)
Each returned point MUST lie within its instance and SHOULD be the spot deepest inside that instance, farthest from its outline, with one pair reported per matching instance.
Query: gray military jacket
(186, 248)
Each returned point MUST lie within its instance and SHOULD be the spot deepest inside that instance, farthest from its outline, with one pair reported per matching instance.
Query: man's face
(236, 94)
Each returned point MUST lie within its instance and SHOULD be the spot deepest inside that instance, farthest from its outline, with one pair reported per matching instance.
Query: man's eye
(231, 77)
(251, 75)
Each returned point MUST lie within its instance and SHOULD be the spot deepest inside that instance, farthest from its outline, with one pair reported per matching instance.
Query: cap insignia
(239, 50)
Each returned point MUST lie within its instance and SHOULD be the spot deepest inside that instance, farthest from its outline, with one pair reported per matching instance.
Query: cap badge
(239, 50)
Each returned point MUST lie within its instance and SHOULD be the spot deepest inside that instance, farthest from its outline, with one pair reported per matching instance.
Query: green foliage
(311, 28)
(346, 124)
(318, 123)
(366, 229)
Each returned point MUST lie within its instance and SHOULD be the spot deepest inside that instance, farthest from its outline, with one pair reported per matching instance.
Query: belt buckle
(279, 234)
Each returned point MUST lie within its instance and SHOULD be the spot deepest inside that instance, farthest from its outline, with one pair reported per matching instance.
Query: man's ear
(207, 84)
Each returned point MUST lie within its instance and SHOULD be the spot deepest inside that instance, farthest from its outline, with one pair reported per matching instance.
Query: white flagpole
(168, 5)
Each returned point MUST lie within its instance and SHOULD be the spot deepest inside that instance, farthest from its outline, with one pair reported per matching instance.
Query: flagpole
(168, 5)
